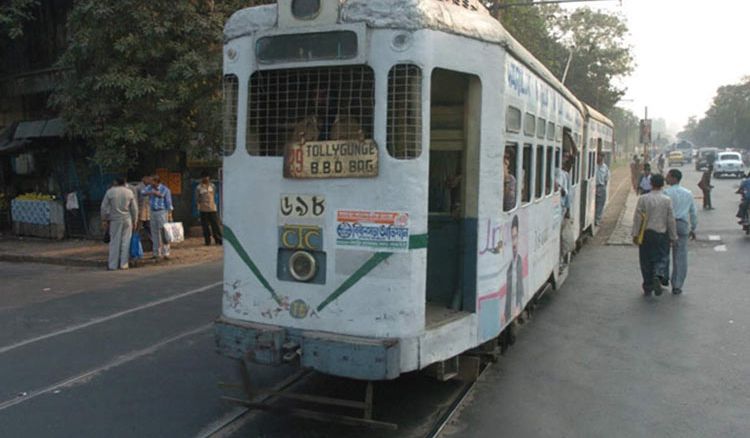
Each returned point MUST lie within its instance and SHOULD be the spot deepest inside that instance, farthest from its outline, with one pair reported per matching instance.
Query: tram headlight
(305, 9)
(302, 266)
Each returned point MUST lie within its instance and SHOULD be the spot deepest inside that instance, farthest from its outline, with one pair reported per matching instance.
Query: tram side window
(310, 104)
(529, 124)
(231, 88)
(550, 173)
(540, 128)
(513, 119)
(550, 131)
(404, 132)
(539, 173)
(526, 172)
(510, 180)
(558, 155)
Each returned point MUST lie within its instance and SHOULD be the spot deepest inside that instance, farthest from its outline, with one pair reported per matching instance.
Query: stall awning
(39, 128)
(12, 146)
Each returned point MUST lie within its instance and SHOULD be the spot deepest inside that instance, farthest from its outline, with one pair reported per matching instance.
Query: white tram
(390, 182)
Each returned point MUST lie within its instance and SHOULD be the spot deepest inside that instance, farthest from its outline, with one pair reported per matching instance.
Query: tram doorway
(455, 116)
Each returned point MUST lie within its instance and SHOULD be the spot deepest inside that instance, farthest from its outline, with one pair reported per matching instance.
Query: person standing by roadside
(602, 181)
(686, 220)
(644, 184)
(205, 197)
(160, 203)
(655, 208)
(144, 211)
(635, 172)
(119, 211)
(705, 186)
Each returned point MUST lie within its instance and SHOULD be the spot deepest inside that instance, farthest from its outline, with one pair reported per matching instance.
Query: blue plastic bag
(136, 249)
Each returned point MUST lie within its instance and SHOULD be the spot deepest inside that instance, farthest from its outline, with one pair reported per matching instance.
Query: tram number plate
(302, 206)
(331, 159)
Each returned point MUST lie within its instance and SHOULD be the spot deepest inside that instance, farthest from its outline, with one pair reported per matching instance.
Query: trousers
(210, 219)
(707, 198)
(158, 219)
(601, 199)
(653, 255)
(120, 232)
(680, 255)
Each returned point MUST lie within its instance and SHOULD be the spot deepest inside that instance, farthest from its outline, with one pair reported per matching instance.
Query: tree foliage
(594, 41)
(13, 14)
(727, 121)
(146, 76)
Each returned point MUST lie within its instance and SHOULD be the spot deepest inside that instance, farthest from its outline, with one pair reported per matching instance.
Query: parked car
(676, 157)
(705, 157)
(729, 163)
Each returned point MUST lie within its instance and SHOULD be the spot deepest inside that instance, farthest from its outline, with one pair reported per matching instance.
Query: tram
(390, 183)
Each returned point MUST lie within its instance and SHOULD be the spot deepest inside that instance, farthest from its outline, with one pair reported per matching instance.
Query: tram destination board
(331, 159)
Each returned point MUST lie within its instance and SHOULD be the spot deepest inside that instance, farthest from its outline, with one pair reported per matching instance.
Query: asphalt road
(599, 359)
(90, 353)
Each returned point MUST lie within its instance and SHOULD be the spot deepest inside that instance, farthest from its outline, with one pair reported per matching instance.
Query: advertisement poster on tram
(379, 231)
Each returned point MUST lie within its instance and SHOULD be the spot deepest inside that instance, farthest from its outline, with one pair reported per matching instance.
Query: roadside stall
(38, 215)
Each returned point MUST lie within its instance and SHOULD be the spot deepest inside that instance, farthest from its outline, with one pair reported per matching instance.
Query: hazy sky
(684, 50)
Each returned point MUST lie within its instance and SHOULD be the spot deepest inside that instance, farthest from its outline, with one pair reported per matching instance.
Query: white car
(729, 163)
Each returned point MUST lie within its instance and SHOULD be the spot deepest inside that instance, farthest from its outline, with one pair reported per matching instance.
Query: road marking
(88, 375)
(96, 321)
(714, 238)
(720, 248)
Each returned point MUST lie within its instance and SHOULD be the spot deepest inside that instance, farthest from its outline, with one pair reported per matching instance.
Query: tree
(145, 76)
(595, 41)
(13, 14)
(727, 121)
(600, 55)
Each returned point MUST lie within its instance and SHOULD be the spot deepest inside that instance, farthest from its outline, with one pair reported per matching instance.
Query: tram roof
(471, 19)
(596, 115)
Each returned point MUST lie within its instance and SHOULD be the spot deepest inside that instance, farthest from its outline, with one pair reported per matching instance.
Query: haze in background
(684, 51)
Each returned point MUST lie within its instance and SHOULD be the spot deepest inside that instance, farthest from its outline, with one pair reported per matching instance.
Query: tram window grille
(513, 119)
(404, 131)
(312, 104)
(539, 173)
(231, 88)
(529, 124)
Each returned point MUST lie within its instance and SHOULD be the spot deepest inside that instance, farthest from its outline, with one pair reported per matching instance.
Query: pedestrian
(686, 221)
(644, 184)
(635, 172)
(567, 234)
(144, 211)
(660, 163)
(602, 181)
(654, 212)
(509, 184)
(205, 197)
(119, 211)
(705, 185)
(160, 203)
(744, 191)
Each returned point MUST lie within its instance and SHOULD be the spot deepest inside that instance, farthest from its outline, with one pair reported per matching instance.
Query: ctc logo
(301, 237)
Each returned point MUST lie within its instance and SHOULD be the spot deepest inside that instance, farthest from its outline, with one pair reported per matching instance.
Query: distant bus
(686, 148)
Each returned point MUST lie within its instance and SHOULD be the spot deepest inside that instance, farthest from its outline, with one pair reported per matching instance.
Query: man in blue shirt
(686, 220)
(160, 202)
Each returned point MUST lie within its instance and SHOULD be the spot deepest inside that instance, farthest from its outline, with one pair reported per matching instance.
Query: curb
(17, 258)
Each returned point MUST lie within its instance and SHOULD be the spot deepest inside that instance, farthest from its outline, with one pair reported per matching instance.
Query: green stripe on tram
(415, 242)
(232, 239)
(354, 278)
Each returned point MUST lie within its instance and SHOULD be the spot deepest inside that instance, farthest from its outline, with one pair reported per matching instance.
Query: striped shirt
(159, 198)
(683, 205)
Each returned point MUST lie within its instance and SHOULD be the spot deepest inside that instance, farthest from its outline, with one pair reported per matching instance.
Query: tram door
(455, 116)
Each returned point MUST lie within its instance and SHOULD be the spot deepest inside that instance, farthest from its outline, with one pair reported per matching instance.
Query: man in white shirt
(119, 211)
